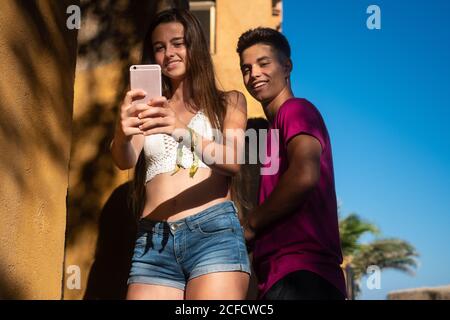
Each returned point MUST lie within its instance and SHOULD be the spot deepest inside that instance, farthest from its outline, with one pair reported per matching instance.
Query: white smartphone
(146, 77)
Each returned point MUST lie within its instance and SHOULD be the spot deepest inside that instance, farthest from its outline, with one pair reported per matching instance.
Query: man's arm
(302, 176)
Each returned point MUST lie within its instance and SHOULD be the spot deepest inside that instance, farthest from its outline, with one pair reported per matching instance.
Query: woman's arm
(222, 156)
(160, 118)
(125, 153)
(128, 138)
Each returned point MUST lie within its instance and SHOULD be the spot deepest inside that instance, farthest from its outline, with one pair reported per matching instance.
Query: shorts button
(174, 227)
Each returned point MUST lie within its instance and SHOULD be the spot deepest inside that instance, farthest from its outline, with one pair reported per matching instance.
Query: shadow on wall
(37, 63)
(117, 231)
(35, 90)
(8, 290)
(110, 38)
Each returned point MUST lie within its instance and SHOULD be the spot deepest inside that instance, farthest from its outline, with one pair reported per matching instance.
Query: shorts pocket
(216, 225)
(141, 240)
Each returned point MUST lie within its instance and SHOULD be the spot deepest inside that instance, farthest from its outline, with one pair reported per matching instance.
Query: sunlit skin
(266, 77)
(207, 187)
(169, 50)
(175, 197)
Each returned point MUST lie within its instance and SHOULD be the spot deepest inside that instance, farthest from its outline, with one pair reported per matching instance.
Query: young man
(294, 231)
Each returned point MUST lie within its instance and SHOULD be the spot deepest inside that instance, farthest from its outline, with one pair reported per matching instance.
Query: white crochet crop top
(161, 149)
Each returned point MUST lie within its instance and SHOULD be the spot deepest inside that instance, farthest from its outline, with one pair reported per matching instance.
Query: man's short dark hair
(265, 36)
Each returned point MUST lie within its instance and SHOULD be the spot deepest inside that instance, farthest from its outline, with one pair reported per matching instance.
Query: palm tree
(384, 253)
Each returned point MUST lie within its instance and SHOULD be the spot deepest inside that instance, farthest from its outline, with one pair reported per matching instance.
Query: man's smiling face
(263, 73)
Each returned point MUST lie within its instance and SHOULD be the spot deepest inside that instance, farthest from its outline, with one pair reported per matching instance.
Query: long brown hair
(202, 85)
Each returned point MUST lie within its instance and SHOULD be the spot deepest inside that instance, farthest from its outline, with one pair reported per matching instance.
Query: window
(205, 11)
(276, 8)
(277, 11)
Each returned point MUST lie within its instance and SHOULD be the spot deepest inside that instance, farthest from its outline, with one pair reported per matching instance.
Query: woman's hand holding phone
(150, 113)
(129, 120)
(159, 118)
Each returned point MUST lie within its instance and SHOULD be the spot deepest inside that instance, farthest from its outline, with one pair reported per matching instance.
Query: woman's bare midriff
(171, 198)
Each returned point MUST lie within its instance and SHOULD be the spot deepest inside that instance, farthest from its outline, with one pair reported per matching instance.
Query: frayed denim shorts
(172, 253)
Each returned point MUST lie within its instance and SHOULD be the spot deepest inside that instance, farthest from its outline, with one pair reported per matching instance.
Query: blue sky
(385, 97)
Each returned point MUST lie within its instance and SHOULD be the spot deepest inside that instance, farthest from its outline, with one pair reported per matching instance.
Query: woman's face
(169, 49)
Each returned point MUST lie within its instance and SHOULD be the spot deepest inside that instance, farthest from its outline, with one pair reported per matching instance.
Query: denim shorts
(172, 253)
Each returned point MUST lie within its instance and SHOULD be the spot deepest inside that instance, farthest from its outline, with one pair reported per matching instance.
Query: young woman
(190, 243)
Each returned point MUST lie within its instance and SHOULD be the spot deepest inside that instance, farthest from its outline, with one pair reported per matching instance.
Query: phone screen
(147, 78)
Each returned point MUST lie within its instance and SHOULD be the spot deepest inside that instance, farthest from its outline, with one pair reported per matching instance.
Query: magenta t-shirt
(309, 238)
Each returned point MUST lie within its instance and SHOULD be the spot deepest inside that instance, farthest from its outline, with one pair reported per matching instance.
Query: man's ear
(287, 65)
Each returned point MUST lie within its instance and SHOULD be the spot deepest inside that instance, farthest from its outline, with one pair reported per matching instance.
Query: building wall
(233, 18)
(436, 293)
(37, 65)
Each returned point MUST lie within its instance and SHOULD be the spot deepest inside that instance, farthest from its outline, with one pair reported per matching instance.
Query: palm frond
(351, 229)
(386, 254)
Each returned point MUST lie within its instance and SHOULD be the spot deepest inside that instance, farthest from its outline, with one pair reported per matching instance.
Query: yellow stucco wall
(37, 63)
(88, 195)
(233, 18)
